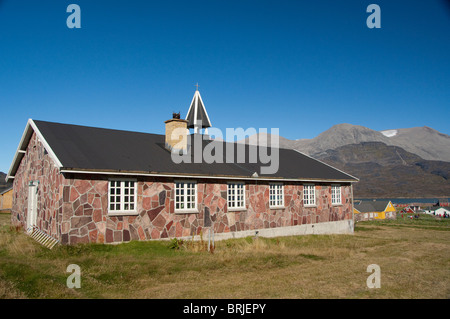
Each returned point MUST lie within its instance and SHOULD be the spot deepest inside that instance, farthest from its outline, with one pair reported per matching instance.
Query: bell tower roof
(197, 116)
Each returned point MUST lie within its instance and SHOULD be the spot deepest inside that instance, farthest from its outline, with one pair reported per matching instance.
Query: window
(236, 196)
(122, 196)
(276, 195)
(336, 195)
(185, 196)
(309, 195)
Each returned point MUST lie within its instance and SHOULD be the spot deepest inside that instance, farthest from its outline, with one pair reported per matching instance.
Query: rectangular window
(186, 196)
(236, 196)
(122, 196)
(336, 195)
(276, 195)
(309, 195)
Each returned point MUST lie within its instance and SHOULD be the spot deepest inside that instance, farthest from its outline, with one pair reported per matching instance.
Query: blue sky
(300, 66)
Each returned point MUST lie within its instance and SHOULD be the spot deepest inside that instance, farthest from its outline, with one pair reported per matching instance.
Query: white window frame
(278, 200)
(123, 189)
(184, 196)
(235, 201)
(336, 194)
(309, 195)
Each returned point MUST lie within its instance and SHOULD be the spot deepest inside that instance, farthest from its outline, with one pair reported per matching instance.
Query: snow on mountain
(389, 133)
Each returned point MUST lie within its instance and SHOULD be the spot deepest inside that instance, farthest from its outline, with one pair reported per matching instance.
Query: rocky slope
(423, 141)
(390, 171)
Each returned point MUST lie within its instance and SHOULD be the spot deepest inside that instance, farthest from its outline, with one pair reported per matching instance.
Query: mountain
(423, 141)
(390, 171)
(340, 135)
(408, 162)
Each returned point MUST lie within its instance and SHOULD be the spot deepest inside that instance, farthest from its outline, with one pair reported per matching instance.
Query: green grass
(413, 255)
(424, 221)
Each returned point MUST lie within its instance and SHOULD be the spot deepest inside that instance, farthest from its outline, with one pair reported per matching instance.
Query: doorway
(32, 204)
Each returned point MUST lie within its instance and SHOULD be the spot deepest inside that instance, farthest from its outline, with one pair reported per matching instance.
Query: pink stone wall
(37, 165)
(85, 215)
(74, 208)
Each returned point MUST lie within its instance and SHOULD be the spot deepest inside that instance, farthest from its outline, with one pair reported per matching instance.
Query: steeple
(197, 116)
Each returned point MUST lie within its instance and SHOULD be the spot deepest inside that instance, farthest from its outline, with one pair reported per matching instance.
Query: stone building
(83, 184)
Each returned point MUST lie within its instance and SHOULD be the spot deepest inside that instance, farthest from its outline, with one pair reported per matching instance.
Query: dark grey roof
(372, 206)
(98, 149)
(4, 190)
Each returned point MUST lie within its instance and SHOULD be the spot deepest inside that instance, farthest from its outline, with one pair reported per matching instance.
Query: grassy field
(413, 255)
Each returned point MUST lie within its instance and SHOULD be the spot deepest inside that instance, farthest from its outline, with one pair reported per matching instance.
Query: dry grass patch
(414, 264)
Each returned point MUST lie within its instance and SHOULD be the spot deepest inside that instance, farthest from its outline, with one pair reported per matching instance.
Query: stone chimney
(176, 133)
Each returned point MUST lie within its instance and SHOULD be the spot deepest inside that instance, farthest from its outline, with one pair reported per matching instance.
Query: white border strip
(345, 226)
(18, 151)
(46, 145)
(204, 108)
(21, 151)
(206, 176)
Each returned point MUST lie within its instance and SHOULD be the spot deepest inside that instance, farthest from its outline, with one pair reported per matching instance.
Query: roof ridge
(94, 127)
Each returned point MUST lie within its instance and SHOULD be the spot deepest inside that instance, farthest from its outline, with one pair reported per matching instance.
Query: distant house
(441, 211)
(370, 210)
(6, 199)
(443, 202)
(82, 184)
(409, 210)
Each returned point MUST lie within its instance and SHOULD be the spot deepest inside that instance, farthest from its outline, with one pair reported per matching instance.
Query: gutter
(123, 173)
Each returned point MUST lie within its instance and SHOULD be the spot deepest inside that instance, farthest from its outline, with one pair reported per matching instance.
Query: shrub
(176, 243)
